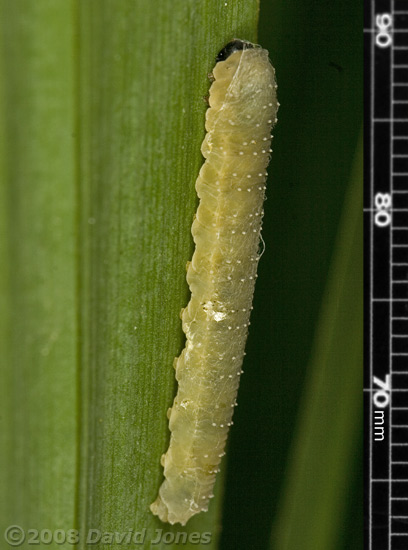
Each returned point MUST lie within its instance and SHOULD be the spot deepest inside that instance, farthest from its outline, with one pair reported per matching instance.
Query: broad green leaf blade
(313, 503)
(38, 210)
(143, 75)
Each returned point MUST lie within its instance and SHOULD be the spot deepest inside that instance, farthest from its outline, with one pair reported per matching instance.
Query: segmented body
(221, 277)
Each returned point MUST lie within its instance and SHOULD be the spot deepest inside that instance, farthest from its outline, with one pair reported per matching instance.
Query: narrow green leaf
(38, 328)
(316, 48)
(143, 76)
(313, 503)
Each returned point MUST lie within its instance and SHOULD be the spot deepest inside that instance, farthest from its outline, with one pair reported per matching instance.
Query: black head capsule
(233, 46)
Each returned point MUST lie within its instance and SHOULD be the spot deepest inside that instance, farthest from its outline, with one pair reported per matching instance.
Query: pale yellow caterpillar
(221, 276)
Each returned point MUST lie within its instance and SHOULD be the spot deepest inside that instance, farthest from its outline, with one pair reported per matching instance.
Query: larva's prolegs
(221, 276)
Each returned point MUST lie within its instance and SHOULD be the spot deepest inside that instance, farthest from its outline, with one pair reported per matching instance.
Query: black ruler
(386, 274)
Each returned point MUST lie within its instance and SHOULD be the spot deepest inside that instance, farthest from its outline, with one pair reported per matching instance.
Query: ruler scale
(386, 274)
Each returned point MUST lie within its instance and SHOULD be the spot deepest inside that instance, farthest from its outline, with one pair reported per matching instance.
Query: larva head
(233, 46)
(244, 91)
